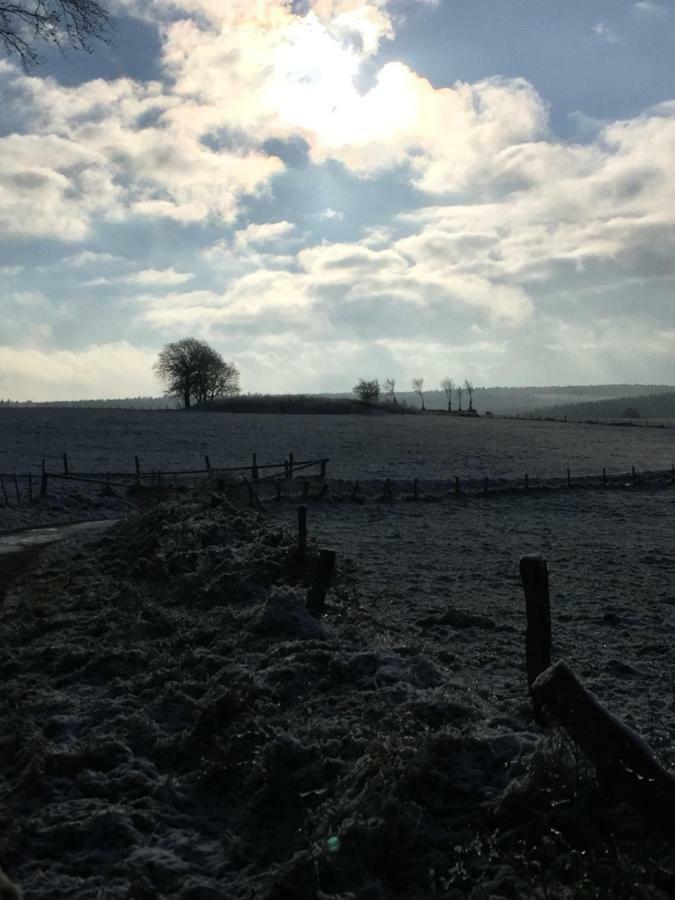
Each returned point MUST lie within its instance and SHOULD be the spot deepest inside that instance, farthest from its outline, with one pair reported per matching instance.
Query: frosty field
(178, 725)
(359, 447)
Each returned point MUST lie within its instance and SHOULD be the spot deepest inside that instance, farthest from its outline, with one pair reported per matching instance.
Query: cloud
(650, 8)
(605, 34)
(264, 233)
(31, 373)
(159, 277)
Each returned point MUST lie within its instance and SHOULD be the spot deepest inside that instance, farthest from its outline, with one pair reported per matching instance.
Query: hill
(645, 406)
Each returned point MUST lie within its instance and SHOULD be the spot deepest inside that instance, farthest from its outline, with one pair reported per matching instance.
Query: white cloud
(604, 33)
(159, 277)
(650, 8)
(264, 233)
(101, 370)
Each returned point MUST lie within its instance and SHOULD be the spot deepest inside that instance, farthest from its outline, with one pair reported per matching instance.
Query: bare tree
(191, 369)
(469, 390)
(367, 391)
(418, 386)
(73, 23)
(390, 389)
(447, 385)
(460, 390)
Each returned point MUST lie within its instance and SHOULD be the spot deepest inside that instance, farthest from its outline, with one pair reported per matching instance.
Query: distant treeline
(298, 403)
(119, 403)
(647, 406)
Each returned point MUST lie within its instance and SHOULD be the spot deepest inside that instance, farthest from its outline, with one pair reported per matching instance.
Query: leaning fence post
(621, 757)
(534, 575)
(65, 463)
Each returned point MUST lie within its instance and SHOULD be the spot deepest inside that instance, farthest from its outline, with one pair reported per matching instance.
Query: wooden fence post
(633, 474)
(137, 465)
(569, 479)
(621, 757)
(65, 464)
(254, 468)
(207, 461)
(604, 475)
(43, 482)
(286, 469)
(4, 491)
(290, 465)
(527, 482)
(316, 595)
(457, 484)
(323, 468)
(16, 489)
(534, 575)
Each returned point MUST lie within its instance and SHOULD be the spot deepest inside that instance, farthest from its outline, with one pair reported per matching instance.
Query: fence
(16, 489)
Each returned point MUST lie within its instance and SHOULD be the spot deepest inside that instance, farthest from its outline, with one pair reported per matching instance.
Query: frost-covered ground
(363, 447)
(177, 724)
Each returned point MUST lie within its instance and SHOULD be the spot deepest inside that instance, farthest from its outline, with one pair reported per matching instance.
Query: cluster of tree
(192, 370)
(26, 23)
(370, 391)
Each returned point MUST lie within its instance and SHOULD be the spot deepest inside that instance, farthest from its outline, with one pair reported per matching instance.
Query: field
(359, 447)
(178, 725)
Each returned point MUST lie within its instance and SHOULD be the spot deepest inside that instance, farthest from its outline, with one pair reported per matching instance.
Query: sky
(328, 190)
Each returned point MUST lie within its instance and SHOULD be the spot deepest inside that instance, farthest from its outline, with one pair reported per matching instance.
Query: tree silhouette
(60, 23)
(390, 389)
(367, 391)
(418, 386)
(191, 369)
(447, 385)
(469, 390)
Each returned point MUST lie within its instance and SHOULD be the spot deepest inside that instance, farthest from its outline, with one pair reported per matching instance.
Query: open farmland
(359, 447)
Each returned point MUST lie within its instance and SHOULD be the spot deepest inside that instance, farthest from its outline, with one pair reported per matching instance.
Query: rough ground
(176, 724)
